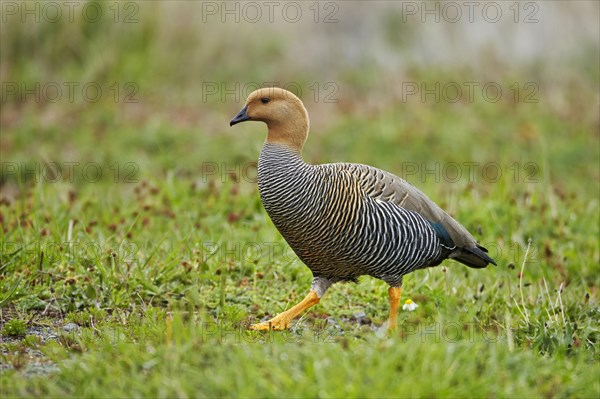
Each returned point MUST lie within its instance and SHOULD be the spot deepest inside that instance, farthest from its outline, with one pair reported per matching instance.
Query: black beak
(240, 117)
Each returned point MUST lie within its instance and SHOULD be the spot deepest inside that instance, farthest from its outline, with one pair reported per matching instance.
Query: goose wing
(384, 186)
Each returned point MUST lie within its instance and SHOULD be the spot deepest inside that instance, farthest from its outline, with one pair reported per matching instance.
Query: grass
(141, 282)
(162, 275)
(190, 361)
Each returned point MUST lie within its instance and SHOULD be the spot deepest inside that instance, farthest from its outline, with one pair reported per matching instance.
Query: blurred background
(146, 89)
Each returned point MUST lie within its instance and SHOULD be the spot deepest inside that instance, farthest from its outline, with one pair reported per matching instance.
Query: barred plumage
(346, 220)
(335, 227)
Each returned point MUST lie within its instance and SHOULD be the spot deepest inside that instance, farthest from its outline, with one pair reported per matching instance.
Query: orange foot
(276, 323)
(282, 321)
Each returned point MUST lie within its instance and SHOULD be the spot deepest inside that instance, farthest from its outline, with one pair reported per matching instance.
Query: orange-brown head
(282, 111)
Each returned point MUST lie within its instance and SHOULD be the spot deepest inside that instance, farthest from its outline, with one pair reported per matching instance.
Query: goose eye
(265, 100)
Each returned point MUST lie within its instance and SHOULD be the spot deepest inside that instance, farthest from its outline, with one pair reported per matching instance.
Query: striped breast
(335, 227)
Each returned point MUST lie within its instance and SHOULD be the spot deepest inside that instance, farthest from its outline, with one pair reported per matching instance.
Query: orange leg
(282, 320)
(394, 294)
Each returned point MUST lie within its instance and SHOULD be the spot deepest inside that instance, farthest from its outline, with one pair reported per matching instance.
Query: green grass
(141, 282)
(189, 358)
(162, 275)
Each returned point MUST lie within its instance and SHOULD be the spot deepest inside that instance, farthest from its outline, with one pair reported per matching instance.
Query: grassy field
(135, 249)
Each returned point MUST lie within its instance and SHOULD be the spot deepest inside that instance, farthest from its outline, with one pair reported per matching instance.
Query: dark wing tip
(475, 257)
(485, 256)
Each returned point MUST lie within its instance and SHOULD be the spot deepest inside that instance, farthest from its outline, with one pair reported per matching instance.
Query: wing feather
(384, 186)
